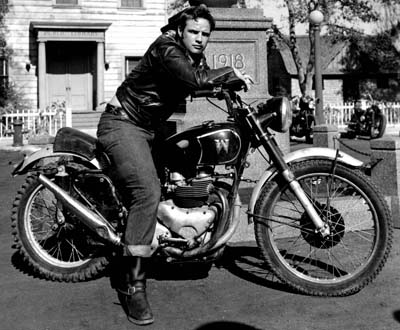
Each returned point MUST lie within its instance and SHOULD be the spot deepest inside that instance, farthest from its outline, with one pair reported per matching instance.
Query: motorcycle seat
(74, 141)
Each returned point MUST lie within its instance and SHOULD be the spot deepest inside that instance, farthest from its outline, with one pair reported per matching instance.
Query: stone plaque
(241, 55)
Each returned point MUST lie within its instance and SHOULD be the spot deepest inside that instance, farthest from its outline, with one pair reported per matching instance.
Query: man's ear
(180, 32)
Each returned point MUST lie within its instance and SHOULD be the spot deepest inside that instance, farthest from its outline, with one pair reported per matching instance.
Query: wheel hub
(336, 225)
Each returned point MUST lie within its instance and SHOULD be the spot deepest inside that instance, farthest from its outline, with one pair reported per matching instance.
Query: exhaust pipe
(91, 219)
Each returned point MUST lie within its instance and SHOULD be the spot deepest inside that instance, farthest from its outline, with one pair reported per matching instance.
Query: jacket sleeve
(176, 66)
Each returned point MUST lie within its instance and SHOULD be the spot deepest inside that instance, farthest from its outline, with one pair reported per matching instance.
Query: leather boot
(130, 283)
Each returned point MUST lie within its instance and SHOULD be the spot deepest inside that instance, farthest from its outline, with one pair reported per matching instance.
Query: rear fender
(30, 160)
(296, 156)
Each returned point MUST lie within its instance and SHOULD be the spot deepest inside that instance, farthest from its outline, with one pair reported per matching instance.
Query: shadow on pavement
(396, 315)
(17, 260)
(246, 263)
(225, 325)
(243, 261)
(180, 271)
(22, 265)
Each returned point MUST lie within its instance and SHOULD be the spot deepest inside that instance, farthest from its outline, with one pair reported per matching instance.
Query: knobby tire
(360, 222)
(69, 259)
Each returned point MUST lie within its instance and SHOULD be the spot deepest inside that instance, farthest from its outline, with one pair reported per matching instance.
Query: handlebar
(226, 93)
(215, 92)
(229, 87)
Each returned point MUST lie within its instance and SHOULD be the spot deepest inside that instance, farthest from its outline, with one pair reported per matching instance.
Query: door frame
(67, 31)
(62, 58)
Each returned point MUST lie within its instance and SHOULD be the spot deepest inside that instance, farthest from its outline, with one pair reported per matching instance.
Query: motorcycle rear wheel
(63, 252)
(359, 220)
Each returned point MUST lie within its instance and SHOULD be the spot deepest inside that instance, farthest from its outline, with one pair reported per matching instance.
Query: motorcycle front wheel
(379, 127)
(53, 243)
(356, 213)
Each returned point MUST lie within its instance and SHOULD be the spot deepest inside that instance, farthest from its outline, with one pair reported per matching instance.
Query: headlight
(275, 113)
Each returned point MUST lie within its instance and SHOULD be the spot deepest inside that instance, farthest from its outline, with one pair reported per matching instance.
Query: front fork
(268, 142)
(320, 226)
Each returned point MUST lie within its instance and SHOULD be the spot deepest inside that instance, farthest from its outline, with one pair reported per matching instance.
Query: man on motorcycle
(358, 113)
(172, 67)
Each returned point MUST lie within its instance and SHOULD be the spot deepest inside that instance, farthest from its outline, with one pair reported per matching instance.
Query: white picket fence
(34, 122)
(340, 114)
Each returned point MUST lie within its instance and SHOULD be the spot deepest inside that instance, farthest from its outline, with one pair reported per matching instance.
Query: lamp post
(316, 18)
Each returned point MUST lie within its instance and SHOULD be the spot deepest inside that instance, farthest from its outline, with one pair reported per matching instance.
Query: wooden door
(70, 74)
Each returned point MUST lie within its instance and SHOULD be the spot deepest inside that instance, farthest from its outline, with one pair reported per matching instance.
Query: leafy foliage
(372, 54)
(10, 96)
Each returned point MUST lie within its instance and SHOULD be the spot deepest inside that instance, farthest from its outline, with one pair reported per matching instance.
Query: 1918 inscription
(234, 60)
(242, 55)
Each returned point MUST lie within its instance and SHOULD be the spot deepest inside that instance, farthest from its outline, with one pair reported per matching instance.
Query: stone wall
(385, 157)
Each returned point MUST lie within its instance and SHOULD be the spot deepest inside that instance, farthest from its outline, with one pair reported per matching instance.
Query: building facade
(78, 51)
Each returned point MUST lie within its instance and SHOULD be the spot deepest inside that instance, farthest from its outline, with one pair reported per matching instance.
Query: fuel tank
(204, 145)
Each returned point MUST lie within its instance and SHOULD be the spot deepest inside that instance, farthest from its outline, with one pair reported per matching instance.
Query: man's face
(195, 35)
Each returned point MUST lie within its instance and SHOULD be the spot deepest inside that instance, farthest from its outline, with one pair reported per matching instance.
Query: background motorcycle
(366, 121)
(303, 118)
(321, 225)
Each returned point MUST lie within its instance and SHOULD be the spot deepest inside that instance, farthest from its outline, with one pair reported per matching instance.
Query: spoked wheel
(379, 127)
(53, 243)
(360, 230)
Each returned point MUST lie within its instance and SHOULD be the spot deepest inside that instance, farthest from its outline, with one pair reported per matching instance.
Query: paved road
(238, 295)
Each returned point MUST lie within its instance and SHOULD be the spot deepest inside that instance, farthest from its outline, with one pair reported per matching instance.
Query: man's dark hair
(178, 21)
(194, 13)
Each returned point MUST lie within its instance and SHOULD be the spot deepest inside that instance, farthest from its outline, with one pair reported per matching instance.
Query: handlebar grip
(204, 93)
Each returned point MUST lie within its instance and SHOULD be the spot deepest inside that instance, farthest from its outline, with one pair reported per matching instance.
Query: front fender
(296, 156)
(30, 160)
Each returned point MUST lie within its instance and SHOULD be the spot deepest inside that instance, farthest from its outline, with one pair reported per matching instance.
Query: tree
(374, 55)
(340, 17)
(11, 97)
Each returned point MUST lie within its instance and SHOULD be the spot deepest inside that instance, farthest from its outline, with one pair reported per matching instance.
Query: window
(131, 3)
(66, 2)
(130, 63)
(3, 76)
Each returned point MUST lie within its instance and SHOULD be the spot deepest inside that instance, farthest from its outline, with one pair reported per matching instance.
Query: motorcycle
(322, 226)
(303, 118)
(366, 121)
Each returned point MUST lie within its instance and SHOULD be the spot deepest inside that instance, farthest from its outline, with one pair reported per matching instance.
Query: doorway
(70, 74)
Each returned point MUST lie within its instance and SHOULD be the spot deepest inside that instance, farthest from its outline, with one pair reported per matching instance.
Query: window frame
(131, 8)
(67, 5)
(4, 73)
(125, 59)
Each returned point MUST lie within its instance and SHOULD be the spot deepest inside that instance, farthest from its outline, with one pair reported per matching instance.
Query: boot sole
(140, 322)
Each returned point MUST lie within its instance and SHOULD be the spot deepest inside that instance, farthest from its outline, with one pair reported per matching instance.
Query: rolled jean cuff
(138, 251)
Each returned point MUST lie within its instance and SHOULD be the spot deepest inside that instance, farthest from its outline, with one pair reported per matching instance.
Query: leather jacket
(163, 78)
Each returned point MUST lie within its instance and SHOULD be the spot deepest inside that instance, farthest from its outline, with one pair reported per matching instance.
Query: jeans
(134, 174)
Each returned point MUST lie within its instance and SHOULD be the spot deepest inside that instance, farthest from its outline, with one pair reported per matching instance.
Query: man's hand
(247, 79)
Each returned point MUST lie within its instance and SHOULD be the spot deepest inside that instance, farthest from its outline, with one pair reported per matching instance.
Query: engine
(190, 193)
(190, 206)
